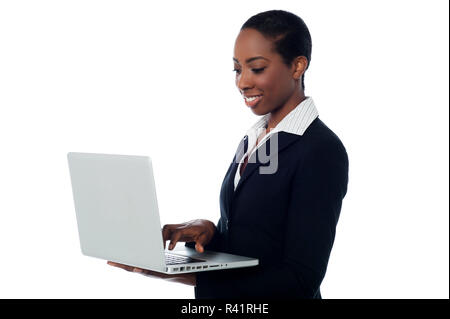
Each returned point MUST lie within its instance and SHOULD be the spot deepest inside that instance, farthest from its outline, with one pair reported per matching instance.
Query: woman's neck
(278, 114)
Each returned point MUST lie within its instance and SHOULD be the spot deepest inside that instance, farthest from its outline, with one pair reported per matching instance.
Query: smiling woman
(269, 80)
(266, 81)
(286, 218)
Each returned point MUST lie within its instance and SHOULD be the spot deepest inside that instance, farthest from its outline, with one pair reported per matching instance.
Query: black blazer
(287, 219)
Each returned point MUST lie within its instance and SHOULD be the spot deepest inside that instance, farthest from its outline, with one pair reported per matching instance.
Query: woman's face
(261, 74)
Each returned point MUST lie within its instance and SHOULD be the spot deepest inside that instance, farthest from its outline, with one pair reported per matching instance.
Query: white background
(155, 78)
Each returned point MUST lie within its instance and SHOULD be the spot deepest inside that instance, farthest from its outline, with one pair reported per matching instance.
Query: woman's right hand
(199, 230)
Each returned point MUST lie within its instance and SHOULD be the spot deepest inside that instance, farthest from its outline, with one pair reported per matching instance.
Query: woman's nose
(243, 81)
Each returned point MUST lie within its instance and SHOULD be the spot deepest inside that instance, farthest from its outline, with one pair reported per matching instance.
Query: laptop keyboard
(172, 259)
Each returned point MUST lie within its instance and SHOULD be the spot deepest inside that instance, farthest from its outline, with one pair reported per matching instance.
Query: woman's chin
(259, 111)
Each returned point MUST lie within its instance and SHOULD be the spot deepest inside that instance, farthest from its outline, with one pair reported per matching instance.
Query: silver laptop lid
(116, 208)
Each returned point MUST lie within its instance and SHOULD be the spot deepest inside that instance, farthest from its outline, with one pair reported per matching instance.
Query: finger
(150, 273)
(166, 233)
(168, 229)
(175, 238)
(111, 263)
(199, 248)
(200, 242)
(125, 267)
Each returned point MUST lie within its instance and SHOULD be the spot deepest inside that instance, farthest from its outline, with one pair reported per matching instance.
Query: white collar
(295, 122)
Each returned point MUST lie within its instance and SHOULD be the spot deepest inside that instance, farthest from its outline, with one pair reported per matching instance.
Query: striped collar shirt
(295, 122)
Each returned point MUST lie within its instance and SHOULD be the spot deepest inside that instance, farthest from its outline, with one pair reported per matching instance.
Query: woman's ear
(300, 64)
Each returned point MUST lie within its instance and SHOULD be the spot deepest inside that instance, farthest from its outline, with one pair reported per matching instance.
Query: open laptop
(118, 218)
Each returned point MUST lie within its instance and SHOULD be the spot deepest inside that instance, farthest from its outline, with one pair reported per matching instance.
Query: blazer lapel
(228, 183)
(284, 140)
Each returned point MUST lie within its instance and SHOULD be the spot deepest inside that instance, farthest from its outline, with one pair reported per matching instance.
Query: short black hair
(291, 35)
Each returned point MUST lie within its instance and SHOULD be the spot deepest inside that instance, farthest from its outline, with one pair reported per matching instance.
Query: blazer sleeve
(318, 188)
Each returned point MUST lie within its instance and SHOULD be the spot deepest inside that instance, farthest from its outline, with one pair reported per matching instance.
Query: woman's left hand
(187, 279)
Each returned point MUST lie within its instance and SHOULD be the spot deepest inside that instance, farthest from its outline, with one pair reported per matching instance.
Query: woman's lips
(253, 100)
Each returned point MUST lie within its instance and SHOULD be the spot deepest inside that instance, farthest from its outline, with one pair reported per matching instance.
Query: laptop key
(177, 259)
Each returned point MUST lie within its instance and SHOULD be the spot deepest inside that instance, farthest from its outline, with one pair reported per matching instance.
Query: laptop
(118, 218)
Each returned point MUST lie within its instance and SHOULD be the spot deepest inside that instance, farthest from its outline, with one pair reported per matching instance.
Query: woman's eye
(258, 70)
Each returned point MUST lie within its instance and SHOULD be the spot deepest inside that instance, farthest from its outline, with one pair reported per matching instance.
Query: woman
(285, 216)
